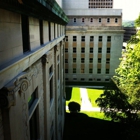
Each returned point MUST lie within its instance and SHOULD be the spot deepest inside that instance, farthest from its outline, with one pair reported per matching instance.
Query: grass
(93, 94)
(75, 96)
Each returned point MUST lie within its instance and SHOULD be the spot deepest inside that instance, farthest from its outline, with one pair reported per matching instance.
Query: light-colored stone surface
(10, 36)
(9, 70)
(34, 33)
(85, 103)
(115, 54)
(79, 25)
(22, 74)
(45, 31)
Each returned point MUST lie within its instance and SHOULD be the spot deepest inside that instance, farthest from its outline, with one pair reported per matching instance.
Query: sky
(130, 8)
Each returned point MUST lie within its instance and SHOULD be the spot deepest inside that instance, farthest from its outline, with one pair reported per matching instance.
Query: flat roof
(93, 12)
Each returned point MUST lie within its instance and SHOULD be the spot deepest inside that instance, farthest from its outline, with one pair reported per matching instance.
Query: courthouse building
(94, 38)
(32, 97)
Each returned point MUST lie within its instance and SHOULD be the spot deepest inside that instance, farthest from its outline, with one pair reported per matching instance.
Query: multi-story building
(32, 99)
(100, 3)
(94, 39)
(129, 31)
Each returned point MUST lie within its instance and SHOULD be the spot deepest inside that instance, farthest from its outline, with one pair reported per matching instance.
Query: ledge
(11, 69)
(41, 9)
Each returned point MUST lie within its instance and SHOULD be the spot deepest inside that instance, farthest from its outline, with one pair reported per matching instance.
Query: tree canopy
(137, 22)
(128, 73)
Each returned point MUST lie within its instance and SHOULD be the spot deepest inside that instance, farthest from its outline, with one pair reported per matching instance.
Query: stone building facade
(94, 39)
(32, 93)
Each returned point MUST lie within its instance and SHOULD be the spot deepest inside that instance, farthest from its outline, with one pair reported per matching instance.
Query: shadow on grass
(74, 107)
(79, 126)
(68, 93)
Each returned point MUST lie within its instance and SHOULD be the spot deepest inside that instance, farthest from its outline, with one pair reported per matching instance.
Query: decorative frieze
(20, 84)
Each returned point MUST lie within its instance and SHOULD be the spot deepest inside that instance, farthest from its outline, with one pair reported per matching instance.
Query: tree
(115, 105)
(137, 22)
(128, 73)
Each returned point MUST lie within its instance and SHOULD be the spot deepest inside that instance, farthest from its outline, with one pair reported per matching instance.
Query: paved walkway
(85, 103)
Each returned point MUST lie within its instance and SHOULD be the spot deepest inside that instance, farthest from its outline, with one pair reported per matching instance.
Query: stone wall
(10, 36)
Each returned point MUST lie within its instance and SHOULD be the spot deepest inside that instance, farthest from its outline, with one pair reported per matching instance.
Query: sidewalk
(85, 103)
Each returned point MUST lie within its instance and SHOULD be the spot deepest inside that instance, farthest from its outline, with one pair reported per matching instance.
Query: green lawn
(75, 96)
(93, 94)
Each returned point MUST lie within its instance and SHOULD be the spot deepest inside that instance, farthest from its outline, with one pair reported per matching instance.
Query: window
(54, 31)
(108, 38)
(82, 50)
(58, 58)
(91, 19)
(116, 20)
(51, 81)
(99, 50)
(90, 70)
(107, 71)
(98, 71)
(66, 79)
(74, 38)
(108, 50)
(90, 60)
(41, 32)
(74, 70)
(66, 70)
(107, 60)
(82, 71)
(74, 60)
(33, 114)
(74, 50)
(66, 60)
(90, 79)
(108, 20)
(83, 20)
(51, 88)
(100, 39)
(51, 70)
(66, 38)
(106, 80)
(32, 99)
(25, 33)
(74, 79)
(74, 20)
(49, 31)
(91, 50)
(58, 72)
(66, 49)
(82, 38)
(98, 79)
(99, 60)
(100, 20)
(33, 123)
(82, 79)
(82, 60)
(91, 38)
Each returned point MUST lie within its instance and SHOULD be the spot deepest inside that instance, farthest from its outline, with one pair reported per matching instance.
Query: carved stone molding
(47, 57)
(44, 59)
(7, 93)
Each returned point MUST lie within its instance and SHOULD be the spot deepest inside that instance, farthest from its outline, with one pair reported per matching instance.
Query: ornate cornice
(8, 92)
(37, 9)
